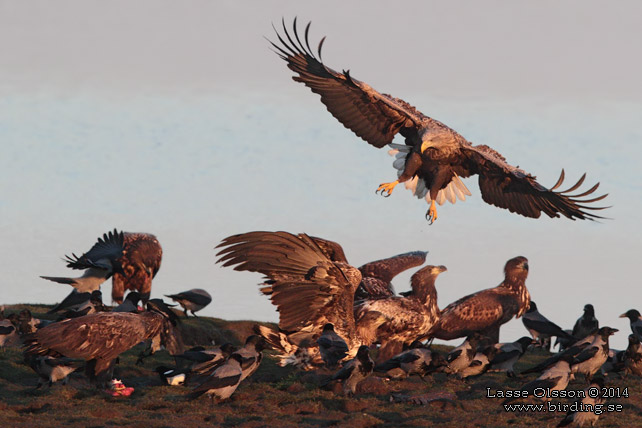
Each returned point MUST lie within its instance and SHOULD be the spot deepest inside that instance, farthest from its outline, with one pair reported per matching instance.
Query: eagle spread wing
(373, 116)
(508, 187)
(387, 269)
(308, 289)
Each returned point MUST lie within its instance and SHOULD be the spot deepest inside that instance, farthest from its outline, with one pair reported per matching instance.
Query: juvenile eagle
(486, 310)
(132, 259)
(406, 318)
(99, 338)
(435, 156)
(309, 289)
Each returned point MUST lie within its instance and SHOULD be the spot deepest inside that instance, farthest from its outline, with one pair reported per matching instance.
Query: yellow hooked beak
(425, 145)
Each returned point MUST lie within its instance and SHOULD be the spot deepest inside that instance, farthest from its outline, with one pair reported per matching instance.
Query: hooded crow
(8, 331)
(563, 343)
(202, 361)
(133, 259)
(541, 328)
(251, 355)
(74, 301)
(591, 358)
(51, 370)
(554, 378)
(419, 360)
(508, 354)
(461, 357)
(480, 363)
(636, 321)
(586, 324)
(486, 310)
(130, 304)
(376, 277)
(172, 376)
(91, 306)
(587, 410)
(331, 346)
(614, 363)
(355, 370)
(632, 357)
(193, 300)
(405, 318)
(222, 383)
(574, 350)
(99, 338)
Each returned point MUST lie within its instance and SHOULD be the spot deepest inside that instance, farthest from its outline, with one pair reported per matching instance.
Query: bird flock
(335, 318)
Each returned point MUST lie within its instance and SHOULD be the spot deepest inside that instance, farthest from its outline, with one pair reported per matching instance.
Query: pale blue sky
(176, 119)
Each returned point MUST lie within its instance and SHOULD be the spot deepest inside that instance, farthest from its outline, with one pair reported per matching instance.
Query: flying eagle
(99, 338)
(434, 157)
(407, 318)
(133, 259)
(486, 310)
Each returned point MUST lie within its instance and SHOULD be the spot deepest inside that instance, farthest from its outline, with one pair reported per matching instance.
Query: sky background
(175, 118)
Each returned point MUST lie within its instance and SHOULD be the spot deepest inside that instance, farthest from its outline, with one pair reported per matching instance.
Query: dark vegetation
(275, 396)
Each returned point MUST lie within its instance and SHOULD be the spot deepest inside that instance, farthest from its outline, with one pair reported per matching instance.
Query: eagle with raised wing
(434, 157)
(131, 259)
(309, 289)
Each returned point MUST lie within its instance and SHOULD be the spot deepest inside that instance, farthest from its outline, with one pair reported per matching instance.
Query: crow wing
(110, 247)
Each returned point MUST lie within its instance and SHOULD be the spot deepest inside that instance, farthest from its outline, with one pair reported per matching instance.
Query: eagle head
(517, 266)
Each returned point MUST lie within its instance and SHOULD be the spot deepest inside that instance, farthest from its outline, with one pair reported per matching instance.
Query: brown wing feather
(307, 288)
(373, 116)
(386, 269)
(331, 249)
(508, 187)
(97, 336)
(474, 312)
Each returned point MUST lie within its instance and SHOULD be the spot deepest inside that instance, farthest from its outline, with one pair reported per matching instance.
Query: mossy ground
(274, 396)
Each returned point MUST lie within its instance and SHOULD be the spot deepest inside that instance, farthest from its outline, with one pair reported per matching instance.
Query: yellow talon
(431, 215)
(387, 188)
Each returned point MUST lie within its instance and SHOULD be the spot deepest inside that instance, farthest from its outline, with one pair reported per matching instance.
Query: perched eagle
(434, 156)
(406, 318)
(133, 259)
(486, 310)
(99, 338)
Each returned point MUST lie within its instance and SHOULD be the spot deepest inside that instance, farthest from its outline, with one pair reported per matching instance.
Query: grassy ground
(275, 396)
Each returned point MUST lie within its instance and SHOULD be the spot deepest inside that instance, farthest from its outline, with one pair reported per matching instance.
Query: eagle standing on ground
(310, 282)
(133, 259)
(406, 318)
(435, 156)
(100, 338)
(486, 310)
(308, 288)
